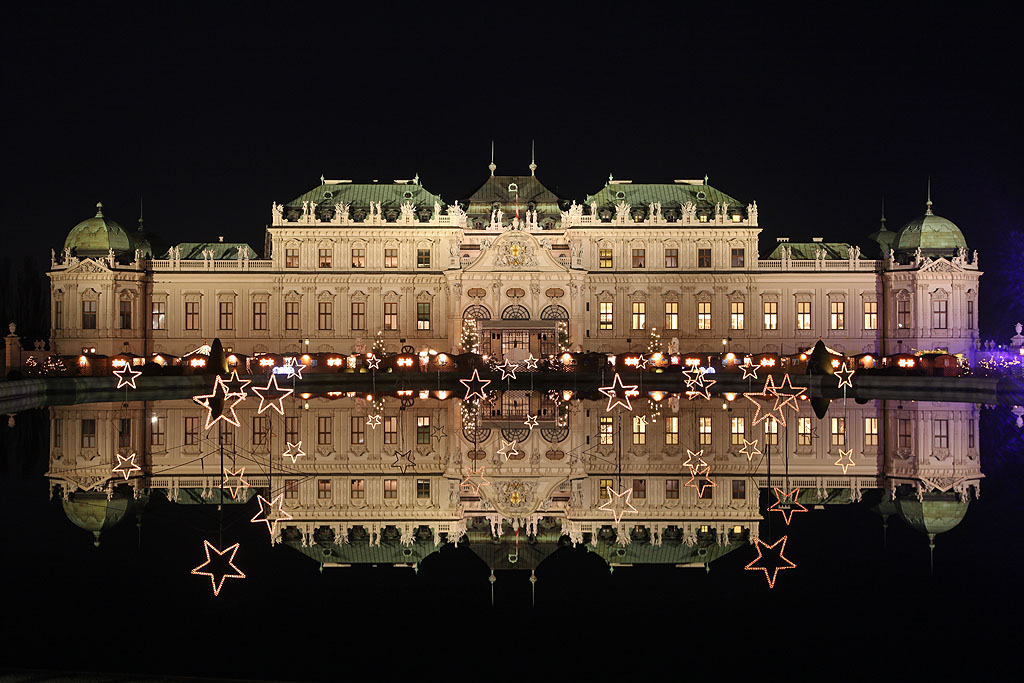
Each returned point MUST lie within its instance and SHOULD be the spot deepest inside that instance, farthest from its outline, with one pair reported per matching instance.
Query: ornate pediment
(88, 266)
(517, 497)
(516, 251)
(940, 265)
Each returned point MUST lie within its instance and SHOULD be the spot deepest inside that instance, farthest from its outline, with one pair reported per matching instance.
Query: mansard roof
(806, 250)
(670, 195)
(221, 250)
(529, 189)
(361, 194)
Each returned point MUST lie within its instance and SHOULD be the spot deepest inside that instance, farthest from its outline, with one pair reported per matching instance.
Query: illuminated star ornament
(787, 394)
(272, 396)
(438, 432)
(220, 568)
(691, 375)
(618, 503)
(293, 451)
(613, 394)
(508, 449)
(372, 361)
(845, 377)
(782, 561)
(403, 460)
(704, 483)
(126, 376)
(474, 385)
(294, 368)
(234, 482)
(220, 405)
(530, 421)
(749, 370)
(701, 386)
(786, 503)
(475, 479)
(373, 421)
(766, 394)
(531, 363)
(236, 386)
(126, 466)
(268, 515)
(750, 449)
(845, 460)
(695, 461)
(508, 370)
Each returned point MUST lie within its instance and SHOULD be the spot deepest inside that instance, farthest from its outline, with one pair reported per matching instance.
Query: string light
(268, 516)
(845, 377)
(704, 483)
(701, 386)
(373, 421)
(612, 394)
(126, 376)
(293, 451)
(618, 503)
(766, 394)
(508, 449)
(272, 396)
(748, 451)
(530, 421)
(474, 385)
(240, 484)
(224, 407)
(294, 368)
(749, 369)
(789, 500)
(126, 466)
(403, 460)
(695, 461)
(784, 398)
(531, 363)
(216, 578)
(845, 459)
(508, 370)
(236, 386)
(372, 361)
(753, 566)
(472, 474)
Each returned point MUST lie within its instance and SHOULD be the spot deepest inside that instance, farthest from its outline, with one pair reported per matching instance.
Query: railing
(211, 264)
(819, 264)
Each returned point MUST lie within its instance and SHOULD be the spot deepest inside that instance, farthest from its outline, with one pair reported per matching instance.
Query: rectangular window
(739, 489)
(605, 258)
(324, 430)
(124, 433)
(671, 489)
(870, 431)
(941, 433)
(606, 315)
(703, 315)
(838, 431)
(325, 258)
(970, 315)
(390, 429)
(227, 315)
(423, 315)
(358, 315)
(837, 315)
(358, 258)
(903, 432)
(157, 431)
(391, 488)
(58, 432)
(291, 429)
(604, 485)
(671, 431)
(803, 431)
(422, 429)
(970, 433)
(291, 489)
(870, 315)
(607, 436)
(422, 258)
(325, 315)
(259, 315)
(803, 315)
(390, 315)
(736, 315)
(191, 315)
(423, 488)
(357, 429)
(704, 429)
(639, 430)
(771, 315)
(902, 314)
(771, 431)
(703, 258)
(638, 257)
(291, 315)
(225, 435)
(323, 488)
(639, 488)
(671, 315)
(639, 315)
(124, 311)
(58, 315)
(89, 433)
(671, 258)
(89, 315)
(738, 431)
(159, 315)
(260, 425)
(191, 431)
(391, 258)
(938, 315)
(357, 489)
(704, 489)
(291, 258)
(737, 258)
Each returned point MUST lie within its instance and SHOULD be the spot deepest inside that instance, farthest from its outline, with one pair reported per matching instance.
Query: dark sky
(212, 114)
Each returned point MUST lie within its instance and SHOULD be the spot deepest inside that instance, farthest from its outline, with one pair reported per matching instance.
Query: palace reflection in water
(353, 496)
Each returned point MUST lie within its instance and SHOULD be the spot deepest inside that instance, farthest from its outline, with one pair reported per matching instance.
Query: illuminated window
(423, 315)
(970, 315)
(191, 431)
(941, 433)
(605, 258)
(704, 258)
(639, 315)
(259, 430)
(390, 429)
(736, 315)
(606, 430)
(159, 316)
(638, 258)
(226, 319)
(158, 431)
(870, 315)
(357, 429)
(358, 257)
(357, 489)
(671, 315)
(89, 433)
(125, 313)
(422, 258)
(671, 431)
(323, 488)
(671, 258)
(391, 258)
(838, 431)
(703, 315)
(870, 431)
(639, 431)
(391, 488)
(938, 315)
(324, 430)
(291, 489)
(422, 429)
(325, 315)
(606, 315)
(358, 315)
(259, 315)
(604, 485)
(902, 314)
(704, 429)
(325, 258)
(639, 488)
(803, 431)
(771, 315)
(291, 315)
(291, 258)
(739, 489)
(771, 431)
(837, 315)
(803, 315)
(738, 431)
(671, 489)
(390, 315)
(88, 315)
(737, 258)
(423, 488)
(291, 429)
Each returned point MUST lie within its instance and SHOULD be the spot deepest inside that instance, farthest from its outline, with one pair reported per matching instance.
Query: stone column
(12, 355)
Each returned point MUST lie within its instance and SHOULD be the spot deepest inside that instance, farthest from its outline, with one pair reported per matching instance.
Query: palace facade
(535, 273)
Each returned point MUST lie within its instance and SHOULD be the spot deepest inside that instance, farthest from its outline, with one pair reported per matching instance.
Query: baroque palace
(534, 271)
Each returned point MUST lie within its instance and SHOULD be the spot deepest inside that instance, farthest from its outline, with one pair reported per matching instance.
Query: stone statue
(407, 212)
(917, 256)
(53, 257)
(673, 345)
(892, 256)
(622, 211)
(67, 254)
(110, 255)
(752, 213)
(1018, 327)
(138, 255)
(975, 259)
(277, 210)
(855, 253)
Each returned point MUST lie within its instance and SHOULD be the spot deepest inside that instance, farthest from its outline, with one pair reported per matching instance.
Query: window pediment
(292, 295)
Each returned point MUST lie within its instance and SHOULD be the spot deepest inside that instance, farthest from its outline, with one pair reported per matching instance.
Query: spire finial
(99, 209)
(322, 179)
(883, 212)
(928, 211)
(533, 158)
(140, 213)
(491, 165)
(705, 178)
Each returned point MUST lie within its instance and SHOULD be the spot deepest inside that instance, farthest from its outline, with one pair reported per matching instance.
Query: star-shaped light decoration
(508, 369)
(787, 395)
(234, 482)
(272, 396)
(845, 459)
(293, 451)
(786, 503)
(783, 562)
(373, 420)
(472, 478)
(704, 483)
(691, 375)
(613, 395)
(642, 421)
(695, 461)
(294, 368)
(475, 386)
(530, 421)
(236, 386)
(701, 386)
(768, 393)
(642, 363)
(750, 449)
(217, 570)
(508, 449)
(219, 405)
(845, 376)
(268, 515)
(126, 376)
(531, 363)
(618, 503)
(750, 370)
(403, 460)
(438, 432)
(126, 466)
(372, 361)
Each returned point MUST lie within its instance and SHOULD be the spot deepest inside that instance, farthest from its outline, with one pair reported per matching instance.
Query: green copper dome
(935, 235)
(96, 236)
(935, 513)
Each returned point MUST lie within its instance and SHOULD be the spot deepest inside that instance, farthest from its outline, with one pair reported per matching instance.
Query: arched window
(515, 312)
(476, 312)
(554, 312)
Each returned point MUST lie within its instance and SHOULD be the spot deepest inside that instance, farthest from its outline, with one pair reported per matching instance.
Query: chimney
(781, 239)
(816, 239)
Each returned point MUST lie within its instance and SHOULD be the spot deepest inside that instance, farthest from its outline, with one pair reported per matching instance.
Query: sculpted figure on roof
(622, 211)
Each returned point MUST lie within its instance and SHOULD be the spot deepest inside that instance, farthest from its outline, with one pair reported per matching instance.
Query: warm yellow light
(835, 363)
(305, 359)
(305, 395)
(442, 394)
(730, 356)
(266, 362)
(335, 362)
(197, 362)
(442, 359)
(803, 356)
(567, 359)
(424, 393)
(737, 529)
(730, 396)
(657, 396)
(159, 360)
(83, 361)
(233, 359)
(567, 394)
